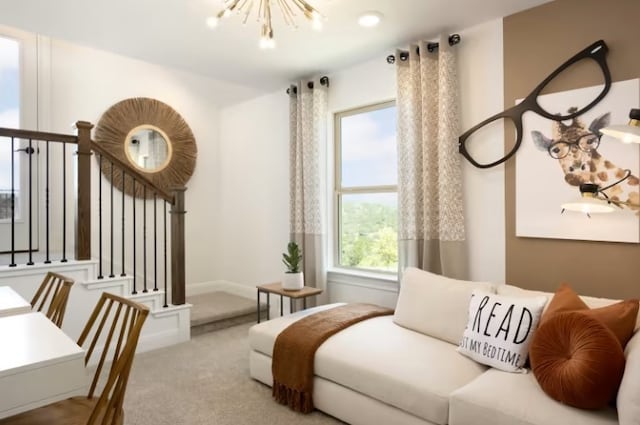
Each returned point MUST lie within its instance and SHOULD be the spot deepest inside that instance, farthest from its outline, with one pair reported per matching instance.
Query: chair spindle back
(52, 296)
(112, 332)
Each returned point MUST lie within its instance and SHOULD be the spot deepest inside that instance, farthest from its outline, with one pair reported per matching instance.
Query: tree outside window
(366, 188)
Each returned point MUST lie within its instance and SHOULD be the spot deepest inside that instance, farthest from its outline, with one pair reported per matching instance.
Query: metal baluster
(165, 253)
(29, 152)
(124, 177)
(13, 206)
(100, 276)
(144, 238)
(155, 242)
(111, 274)
(134, 235)
(64, 203)
(46, 201)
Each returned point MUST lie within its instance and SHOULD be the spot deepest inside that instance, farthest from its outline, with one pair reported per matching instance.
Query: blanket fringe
(299, 401)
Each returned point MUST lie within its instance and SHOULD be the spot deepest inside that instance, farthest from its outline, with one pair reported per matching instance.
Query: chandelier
(288, 8)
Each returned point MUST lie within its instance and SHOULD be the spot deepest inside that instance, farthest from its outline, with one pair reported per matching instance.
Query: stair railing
(85, 199)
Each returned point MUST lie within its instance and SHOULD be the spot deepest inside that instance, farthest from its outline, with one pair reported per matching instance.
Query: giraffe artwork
(556, 157)
(575, 147)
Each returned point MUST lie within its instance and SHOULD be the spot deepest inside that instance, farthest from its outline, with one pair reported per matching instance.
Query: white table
(39, 364)
(12, 303)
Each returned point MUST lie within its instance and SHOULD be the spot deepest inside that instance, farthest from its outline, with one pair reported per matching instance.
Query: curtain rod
(324, 81)
(453, 40)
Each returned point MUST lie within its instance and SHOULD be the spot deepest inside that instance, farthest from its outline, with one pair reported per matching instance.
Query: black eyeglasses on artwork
(597, 51)
(561, 148)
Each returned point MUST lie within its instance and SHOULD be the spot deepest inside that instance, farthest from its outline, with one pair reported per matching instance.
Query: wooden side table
(276, 288)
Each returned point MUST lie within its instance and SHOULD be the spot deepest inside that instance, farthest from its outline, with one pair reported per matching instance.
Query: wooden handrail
(140, 178)
(68, 138)
(37, 135)
(86, 147)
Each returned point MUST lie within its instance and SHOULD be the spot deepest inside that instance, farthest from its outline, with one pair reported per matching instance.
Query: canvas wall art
(547, 178)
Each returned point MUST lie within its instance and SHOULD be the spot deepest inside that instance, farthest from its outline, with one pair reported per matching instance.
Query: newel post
(83, 198)
(177, 247)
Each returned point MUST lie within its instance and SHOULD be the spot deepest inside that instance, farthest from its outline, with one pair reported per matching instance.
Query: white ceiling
(173, 32)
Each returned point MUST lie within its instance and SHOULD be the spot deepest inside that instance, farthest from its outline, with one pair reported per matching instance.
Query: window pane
(369, 231)
(368, 148)
(9, 117)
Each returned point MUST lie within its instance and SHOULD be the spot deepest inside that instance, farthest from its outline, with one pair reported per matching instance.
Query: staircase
(126, 239)
(164, 326)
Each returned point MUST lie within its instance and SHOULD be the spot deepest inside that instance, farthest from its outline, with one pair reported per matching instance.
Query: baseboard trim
(162, 339)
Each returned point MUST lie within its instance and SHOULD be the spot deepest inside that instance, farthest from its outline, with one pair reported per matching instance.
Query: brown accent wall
(536, 41)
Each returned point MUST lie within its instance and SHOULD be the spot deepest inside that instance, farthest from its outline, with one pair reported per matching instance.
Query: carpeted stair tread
(218, 310)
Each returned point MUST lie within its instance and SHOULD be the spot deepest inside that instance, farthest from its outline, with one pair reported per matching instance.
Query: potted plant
(293, 278)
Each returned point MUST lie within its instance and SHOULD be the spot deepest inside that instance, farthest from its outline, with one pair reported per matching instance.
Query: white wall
(480, 66)
(81, 83)
(253, 179)
(254, 170)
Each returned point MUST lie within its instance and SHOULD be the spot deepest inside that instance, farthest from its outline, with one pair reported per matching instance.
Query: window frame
(339, 191)
(33, 81)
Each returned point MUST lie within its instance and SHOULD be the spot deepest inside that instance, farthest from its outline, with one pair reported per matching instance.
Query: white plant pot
(293, 281)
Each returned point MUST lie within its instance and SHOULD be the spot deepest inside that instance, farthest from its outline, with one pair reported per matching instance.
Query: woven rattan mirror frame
(116, 124)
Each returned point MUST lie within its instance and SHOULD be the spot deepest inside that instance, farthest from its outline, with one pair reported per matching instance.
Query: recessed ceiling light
(370, 19)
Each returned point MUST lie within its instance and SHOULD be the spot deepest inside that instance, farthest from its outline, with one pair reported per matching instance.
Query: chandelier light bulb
(266, 38)
(267, 43)
(288, 8)
(316, 23)
(212, 21)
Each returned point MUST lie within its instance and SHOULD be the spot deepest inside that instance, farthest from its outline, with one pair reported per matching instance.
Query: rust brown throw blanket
(295, 348)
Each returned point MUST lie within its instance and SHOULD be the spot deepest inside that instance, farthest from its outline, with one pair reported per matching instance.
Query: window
(9, 117)
(366, 189)
(18, 109)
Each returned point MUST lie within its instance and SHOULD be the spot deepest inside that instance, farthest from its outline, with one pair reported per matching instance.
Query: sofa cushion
(502, 398)
(514, 291)
(577, 360)
(628, 400)
(262, 336)
(500, 329)
(591, 302)
(619, 317)
(394, 365)
(435, 305)
(400, 367)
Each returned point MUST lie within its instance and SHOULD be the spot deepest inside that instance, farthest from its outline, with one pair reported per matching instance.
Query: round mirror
(153, 138)
(148, 148)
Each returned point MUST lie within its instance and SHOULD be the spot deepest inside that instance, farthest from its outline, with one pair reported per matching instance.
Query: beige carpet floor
(205, 381)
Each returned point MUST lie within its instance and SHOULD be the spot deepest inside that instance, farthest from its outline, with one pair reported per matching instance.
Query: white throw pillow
(500, 329)
(435, 305)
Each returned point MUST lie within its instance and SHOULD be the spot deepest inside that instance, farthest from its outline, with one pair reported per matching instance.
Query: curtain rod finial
(292, 90)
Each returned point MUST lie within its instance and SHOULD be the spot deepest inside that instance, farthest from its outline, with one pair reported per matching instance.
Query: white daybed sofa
(379, 372)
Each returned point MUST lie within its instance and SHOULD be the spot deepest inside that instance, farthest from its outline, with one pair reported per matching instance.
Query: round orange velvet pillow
(577, 360)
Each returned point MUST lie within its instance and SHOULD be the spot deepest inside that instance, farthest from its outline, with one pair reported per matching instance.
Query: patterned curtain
(431, 220)
(307, 156)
